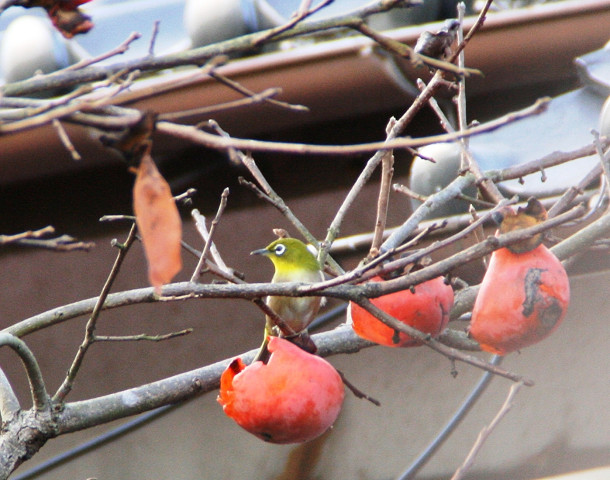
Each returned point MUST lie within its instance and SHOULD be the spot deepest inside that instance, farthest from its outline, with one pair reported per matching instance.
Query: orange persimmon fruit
(525, 291)
(425, 309)
(294, 397)
(523, 298)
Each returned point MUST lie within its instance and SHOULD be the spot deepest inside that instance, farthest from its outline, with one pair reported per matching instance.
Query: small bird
(438, 45)
(293, 262)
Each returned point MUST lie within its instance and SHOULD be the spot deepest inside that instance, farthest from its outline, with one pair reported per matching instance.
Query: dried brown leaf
(158, 222)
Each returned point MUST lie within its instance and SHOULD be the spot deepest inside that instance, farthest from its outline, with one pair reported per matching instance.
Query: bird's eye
(279, 249)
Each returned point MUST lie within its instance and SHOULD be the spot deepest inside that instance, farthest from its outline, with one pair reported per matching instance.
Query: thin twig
(276, 320)
(451, 191)
(34, 239)
(451, 224)
(117, 218)
(153, 38)
(484, 434)
(221, 208)
(446, 265)
(7, 239)
(205, 235)
(387, 172)
(263, 96)
(604, 160)
(142, 337)
(477, 25)
(547, 161)
(238, 87)
(426, 209)
(461, 96)
(65, 140)
(40, 397)
(29, 107)
(367, 270)
(228, 143)
(68, 382)
(399, 188)
(356, 391)
(63, 243)
(209, 244)
(121, 49)
(303, 12)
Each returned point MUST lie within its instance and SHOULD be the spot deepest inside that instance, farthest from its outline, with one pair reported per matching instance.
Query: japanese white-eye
(293, 262)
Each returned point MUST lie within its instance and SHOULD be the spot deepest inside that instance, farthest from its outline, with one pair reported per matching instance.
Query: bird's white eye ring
(279, 249)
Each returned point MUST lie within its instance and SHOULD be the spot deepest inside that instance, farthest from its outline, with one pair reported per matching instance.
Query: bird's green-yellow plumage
(293, 262)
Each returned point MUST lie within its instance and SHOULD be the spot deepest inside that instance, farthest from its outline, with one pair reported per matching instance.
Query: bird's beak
(261, 251)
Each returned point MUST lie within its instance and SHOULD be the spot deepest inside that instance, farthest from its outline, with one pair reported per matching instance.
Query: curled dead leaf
(158, 222)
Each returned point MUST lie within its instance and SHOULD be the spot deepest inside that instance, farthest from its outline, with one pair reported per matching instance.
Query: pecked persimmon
(525, 291)
(294, 397)
(523, 299)
(425, 309)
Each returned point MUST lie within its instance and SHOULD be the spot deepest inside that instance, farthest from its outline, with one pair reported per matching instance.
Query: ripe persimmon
(523, 299)
(525, 292)
(426, 309)
(294, 397)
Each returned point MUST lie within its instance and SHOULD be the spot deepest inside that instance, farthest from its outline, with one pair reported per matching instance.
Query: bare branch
(66, 385)
(8, 239)
(387, 172)
(461, 96)
(65, 139)
(142, 337)
(303, 12)
(427, 209)
(475, 28)
(40, 397)
(263, 96)
(227, 143)
(550, 160)
(153, 38)
(34, 238)
(455, 188)
(249, 93)
(221, 208)
(586, 236)
(203, 231)
(121, 49)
